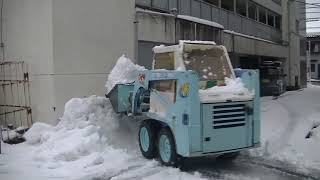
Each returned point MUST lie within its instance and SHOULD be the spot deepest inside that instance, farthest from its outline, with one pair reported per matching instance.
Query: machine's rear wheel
(167, 148)
(146, 139)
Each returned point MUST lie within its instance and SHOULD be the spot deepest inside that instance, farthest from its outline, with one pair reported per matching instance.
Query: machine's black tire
(150, 151)
(173, 157)
(229, 156)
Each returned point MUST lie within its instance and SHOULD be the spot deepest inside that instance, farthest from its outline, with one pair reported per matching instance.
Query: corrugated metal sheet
(313, 35)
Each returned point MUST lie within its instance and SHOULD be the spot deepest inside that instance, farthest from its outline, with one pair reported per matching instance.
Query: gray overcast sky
(313, 15)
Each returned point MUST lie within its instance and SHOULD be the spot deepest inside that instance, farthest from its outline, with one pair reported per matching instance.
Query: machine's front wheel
(147, 140)
(167, 148)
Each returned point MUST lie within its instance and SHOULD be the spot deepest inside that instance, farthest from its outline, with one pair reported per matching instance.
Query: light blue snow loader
(187, 105)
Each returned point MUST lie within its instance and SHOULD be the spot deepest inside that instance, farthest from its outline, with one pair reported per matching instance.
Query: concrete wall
(235, 44)
(156, 28)
(88, 38)
(70, 47)
(27, 33)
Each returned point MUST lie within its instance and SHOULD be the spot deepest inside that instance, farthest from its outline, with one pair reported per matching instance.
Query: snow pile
(123, 72)
(90, 142)
(80, 140)
(234, 89)
(316, 133)
(38, 133)
(290, 129)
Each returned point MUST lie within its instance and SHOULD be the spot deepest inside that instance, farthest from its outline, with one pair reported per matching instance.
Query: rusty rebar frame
(15, 107)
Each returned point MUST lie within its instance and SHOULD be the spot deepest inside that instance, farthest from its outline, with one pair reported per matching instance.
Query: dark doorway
(318, 71)
(249, 62)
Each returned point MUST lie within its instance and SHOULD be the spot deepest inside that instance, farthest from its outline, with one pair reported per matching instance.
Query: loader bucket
(119, 97)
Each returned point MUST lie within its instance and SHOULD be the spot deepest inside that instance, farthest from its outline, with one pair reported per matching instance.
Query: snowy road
(138, 168)
(93, 143)
(239, 169)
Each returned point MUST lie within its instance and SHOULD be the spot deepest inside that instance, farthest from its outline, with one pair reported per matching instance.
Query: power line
(309, 21)
(310, 4)
(311, 13)
(313, 27)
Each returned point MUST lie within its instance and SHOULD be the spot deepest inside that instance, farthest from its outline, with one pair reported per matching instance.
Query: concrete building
(71, 45)
(313, 48)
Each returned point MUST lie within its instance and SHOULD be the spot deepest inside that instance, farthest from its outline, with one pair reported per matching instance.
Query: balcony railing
(229, 19)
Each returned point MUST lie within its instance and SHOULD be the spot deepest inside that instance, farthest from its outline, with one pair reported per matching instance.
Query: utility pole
(0, 138)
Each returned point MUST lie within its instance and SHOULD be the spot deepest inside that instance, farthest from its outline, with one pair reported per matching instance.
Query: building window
(271, 19)
(207, 33)
(242, 7)
(278, 21)
(297, 26)
(204, 33)
(313, 68)
(187, 30)
(252, 11)
(194, 31)
(316, 48)
(262, 15)
(303, 47)
(213, 2)
(228, 5)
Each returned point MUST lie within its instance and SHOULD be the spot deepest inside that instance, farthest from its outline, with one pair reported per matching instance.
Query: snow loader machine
(187, 108)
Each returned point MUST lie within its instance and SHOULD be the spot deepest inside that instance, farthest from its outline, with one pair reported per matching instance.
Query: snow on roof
(197, 42)
(153, 12)
(248, 36)
(200, 21)
(163, 48)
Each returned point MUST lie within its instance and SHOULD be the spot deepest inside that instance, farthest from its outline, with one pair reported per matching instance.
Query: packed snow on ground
(286, 122)
(125, 71)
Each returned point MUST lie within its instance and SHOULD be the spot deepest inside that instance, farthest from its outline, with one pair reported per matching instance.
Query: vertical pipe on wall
(247, 8)
(1, 31)
(136, 39)
(257, 13)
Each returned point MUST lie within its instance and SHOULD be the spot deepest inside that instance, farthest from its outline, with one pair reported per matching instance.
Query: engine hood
(225, 97)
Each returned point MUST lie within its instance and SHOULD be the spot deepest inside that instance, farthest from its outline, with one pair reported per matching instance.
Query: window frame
(313, 68)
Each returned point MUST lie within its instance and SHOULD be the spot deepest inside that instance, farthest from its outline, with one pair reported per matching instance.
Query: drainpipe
(136, 33)
(1, 31)
(290, 39)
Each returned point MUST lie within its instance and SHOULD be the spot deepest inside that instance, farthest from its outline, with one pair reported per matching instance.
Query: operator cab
(217, 82)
